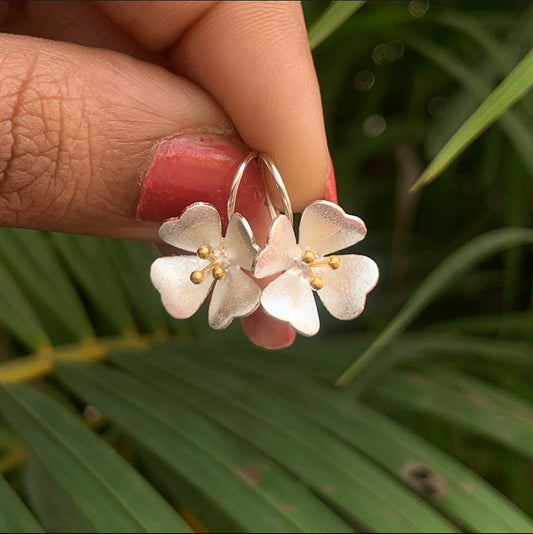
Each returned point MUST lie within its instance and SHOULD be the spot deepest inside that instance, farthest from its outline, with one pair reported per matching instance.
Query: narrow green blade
(253, 493)
(91, 265)
(31, 258)
(337, 473)
(106, 490)
(517, 84)
(450, 487)
(454, 265)
(516, 323)
(52, 504)
(133, 259)
(332, 19)
(14, 516)
(17, 315)
(472, 404)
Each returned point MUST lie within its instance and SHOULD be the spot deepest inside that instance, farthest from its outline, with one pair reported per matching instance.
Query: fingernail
(198, 168)
(330, 193)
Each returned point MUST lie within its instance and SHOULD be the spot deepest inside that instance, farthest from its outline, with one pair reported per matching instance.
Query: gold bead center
(216, 267)
(311, 260)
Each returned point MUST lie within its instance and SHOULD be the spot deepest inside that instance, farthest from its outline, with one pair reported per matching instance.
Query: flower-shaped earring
(185, 281)
(342, 281)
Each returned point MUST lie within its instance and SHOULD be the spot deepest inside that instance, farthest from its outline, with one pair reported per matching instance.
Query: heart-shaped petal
(235, 295)
(198, 225)
(345, 289)
(171, 277)
(289, 298)
(326, 228)
(239, 242)
(280, 251)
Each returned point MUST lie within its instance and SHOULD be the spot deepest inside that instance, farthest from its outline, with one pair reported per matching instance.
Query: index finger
(254, 58)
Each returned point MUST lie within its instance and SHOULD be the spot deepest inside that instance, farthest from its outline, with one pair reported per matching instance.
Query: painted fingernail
(198, 168)
(330, 192)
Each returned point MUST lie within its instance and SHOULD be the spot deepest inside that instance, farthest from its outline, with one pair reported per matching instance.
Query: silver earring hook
(271, 167)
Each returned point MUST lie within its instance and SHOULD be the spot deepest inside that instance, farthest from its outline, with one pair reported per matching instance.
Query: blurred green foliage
(135, 422)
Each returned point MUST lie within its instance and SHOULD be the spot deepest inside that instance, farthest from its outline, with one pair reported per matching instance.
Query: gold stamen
(219, 272)
(308, 256)
(316, 282)
(203, 252)
(334, 262)
(197, 277)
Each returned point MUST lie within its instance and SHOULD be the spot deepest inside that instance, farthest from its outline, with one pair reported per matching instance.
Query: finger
(266, 332)
(77, 129)
(253, 57)
(75, 22)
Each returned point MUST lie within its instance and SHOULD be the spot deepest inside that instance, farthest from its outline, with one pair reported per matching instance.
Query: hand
(82, 109)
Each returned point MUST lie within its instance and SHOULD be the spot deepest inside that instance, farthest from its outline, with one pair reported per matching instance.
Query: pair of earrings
(306, 266)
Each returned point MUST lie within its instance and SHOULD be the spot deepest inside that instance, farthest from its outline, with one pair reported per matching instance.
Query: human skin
(90, 90)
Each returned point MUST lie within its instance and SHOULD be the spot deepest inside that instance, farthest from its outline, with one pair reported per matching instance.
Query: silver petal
(289, 298)
(280, 251)
(171, 277)
(198, 225)
(326, 228)
(345, 289)
(235, 295)
(239, 242)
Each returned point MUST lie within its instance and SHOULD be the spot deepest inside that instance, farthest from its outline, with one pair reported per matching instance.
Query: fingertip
(259, 67)
(266, 332)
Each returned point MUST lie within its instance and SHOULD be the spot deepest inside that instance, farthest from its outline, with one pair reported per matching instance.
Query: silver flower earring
(185, 281)
(342, 282)
(307, 266)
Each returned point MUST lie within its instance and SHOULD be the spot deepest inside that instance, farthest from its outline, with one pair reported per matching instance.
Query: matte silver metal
(235, 294)
(324, 228)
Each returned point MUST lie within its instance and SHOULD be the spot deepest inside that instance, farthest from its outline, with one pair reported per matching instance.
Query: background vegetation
(114, 418)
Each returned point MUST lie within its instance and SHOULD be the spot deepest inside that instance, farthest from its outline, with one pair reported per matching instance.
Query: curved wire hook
(280, 185)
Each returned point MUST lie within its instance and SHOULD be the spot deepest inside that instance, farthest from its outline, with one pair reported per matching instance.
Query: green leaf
(337, 473)
(252, 491)
(14, 516)
(517, 323)
(454, 265)
(517, 84)
(469, 403)
(451, 487)
(517, 130)
(332, 18)
(17, 314)
(30, 257)
(103, 487)
(52, 504)
(499, 59)
(132, 260)
(92, 267)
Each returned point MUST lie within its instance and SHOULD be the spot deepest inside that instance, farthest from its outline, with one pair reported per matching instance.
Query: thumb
(77, 130)
(254, 58)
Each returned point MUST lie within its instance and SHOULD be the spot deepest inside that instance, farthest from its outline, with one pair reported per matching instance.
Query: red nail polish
(330, 192)
(198, 168)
